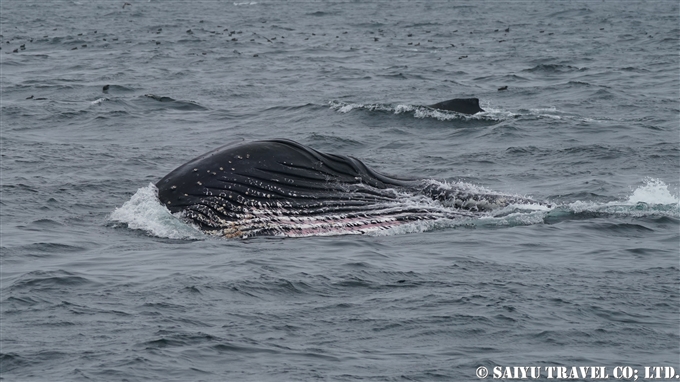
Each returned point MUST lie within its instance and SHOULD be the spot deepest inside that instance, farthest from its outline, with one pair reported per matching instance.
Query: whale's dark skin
(460, 105)
(274, 170)
(280, 187)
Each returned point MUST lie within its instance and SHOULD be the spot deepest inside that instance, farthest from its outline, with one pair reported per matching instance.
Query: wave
(555, 68)
(171, 103)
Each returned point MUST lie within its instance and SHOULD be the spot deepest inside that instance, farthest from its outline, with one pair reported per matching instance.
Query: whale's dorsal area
(460, 105)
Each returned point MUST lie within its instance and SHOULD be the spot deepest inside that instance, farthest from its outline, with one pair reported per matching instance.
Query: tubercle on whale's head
(184, 186)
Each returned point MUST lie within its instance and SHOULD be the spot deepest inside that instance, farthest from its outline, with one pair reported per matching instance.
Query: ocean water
(99, 282)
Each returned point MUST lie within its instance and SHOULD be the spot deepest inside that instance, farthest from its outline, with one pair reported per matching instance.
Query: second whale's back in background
(460, 105)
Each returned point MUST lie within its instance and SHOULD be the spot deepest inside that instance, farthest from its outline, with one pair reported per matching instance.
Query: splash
(653, 198)
(653, 192)
(144, 212)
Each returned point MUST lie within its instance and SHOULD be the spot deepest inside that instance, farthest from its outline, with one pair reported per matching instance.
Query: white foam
(651, 199)
(144, 212)
(520, 216)
(423, 112)
(344, 107)
(419, 111)
(403, 109)
(654, 191)
(495, 114)
(538, 111)
(417, 226)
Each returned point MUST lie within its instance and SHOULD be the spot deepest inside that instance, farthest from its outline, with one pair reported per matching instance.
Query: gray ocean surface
(99, 282)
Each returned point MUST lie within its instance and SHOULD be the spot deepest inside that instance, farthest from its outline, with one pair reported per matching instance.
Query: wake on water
(420, 111)
(490, 113)
(144, 212)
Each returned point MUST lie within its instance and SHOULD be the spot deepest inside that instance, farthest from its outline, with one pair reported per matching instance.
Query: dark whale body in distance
(280, 187)
(460, 105)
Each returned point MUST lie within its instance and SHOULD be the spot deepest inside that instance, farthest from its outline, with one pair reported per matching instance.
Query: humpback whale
(460, 105)
(282, 188)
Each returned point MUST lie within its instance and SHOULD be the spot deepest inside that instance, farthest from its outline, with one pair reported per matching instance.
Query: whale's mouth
(321, 225)
(319, 221)
(404, 211)
(354, 209)
(334, 209)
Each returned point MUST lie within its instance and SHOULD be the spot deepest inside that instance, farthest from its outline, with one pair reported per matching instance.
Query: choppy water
(98, 282)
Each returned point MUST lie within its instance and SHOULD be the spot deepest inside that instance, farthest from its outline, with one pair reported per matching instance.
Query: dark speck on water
(100, 282)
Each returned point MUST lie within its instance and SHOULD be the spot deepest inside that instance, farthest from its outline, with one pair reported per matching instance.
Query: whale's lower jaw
(361, 211)
(345, 214)
(300, 223)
